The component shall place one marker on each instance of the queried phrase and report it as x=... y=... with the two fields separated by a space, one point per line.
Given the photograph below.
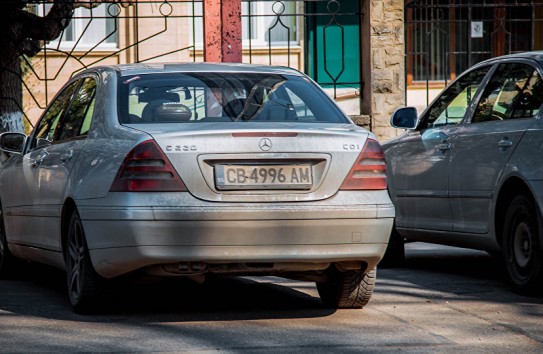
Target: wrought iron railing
x=312 y=28
x=445 y=37
x=319 y=37
x=111 y=33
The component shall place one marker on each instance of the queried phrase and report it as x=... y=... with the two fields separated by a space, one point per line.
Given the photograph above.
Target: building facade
x=371 y=56
x=354 y=49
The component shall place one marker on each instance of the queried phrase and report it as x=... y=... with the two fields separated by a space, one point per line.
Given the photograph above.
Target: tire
x=85 y=286
x=521 y=245
x=7 y=260
x=348 y=289
x=395 y=252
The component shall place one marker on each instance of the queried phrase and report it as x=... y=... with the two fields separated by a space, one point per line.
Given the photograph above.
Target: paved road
x=444 y=300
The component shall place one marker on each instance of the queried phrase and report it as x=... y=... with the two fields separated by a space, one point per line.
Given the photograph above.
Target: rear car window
x=228 y=97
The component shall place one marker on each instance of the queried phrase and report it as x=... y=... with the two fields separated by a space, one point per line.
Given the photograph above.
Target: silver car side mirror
x=11 y=142
x=404 y=118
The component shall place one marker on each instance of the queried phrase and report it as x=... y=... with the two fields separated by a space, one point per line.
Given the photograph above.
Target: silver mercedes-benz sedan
x=192 y=170
x=468 y=172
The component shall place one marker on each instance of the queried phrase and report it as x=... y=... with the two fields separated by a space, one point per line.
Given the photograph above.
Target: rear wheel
x=395 y=252
x=348 y=289
x=84 y=284
x=521 y=247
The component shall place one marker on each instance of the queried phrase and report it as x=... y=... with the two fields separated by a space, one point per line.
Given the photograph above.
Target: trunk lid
x=260 y=162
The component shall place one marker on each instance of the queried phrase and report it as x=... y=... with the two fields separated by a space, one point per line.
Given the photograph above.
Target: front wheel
x=348 y=289
x=521 y=245
x=84 y=284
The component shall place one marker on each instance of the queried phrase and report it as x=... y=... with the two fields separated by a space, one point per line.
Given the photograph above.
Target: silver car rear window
x=229 y=97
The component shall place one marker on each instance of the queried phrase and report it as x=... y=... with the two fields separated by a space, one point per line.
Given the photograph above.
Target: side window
x=453 y=103
x=530 y=101
x=78 y=118
x=46 y=128
x=88 y=119
x=514 y=91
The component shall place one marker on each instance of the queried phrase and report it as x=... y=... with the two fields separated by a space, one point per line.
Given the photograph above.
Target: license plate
x=235 y=177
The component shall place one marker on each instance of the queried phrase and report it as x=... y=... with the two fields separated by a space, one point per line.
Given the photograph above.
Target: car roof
x=535 y=55
x=155 y=68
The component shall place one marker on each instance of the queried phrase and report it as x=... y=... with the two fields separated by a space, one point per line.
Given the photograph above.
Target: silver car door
x=58 y=160
x=483 y=147
x=24 y=214
x=54 y=147
x=17 y=200
x=420 y=168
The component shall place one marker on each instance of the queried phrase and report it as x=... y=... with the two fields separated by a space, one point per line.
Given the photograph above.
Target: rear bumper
x=122 y=240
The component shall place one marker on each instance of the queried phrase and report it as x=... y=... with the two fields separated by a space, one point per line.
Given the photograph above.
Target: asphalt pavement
x=444 y=300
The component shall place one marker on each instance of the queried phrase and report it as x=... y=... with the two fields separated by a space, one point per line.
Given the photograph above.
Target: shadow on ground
x=435 y=271
x=41 y=291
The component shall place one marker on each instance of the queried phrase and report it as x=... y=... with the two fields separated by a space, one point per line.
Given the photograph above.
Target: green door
x=333 y=43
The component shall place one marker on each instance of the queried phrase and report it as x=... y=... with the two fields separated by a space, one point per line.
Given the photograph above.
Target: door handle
x=444 y=146
x=67 y=156
x=505 y=143
x=33 y=162
x=37 y=161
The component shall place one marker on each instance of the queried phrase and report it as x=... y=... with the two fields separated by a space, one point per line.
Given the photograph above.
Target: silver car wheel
x=76 y=254
x=85 y=286
x=347 y=289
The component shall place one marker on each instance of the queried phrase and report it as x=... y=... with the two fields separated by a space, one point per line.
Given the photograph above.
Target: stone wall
x=384 y=65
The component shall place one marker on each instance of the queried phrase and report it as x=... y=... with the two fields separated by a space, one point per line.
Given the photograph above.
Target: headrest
x=172 y=112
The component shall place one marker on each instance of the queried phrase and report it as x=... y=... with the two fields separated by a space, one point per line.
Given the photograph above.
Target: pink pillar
x=222 y=31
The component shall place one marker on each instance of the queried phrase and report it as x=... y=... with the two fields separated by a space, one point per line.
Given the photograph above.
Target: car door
x=53 y=150
x=23 y=213
x=482 y=148
x=420 y=164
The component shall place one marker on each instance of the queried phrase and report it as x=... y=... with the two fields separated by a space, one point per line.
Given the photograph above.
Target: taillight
x=369 y=170
x=147 y=169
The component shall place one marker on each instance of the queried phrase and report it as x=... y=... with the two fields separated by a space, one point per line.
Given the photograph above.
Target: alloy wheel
x=76 y=255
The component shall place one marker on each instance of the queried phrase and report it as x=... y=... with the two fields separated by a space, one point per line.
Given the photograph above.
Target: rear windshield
x=228 y=97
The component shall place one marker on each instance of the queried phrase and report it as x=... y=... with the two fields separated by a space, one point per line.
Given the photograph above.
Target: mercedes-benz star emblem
x=265 y=144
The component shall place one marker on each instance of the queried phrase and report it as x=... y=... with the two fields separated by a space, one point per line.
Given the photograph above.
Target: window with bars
x=263 y=23
x=442 y=39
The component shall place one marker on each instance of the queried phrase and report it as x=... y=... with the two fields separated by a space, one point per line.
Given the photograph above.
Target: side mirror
x=405 y=118
x=12 y=142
